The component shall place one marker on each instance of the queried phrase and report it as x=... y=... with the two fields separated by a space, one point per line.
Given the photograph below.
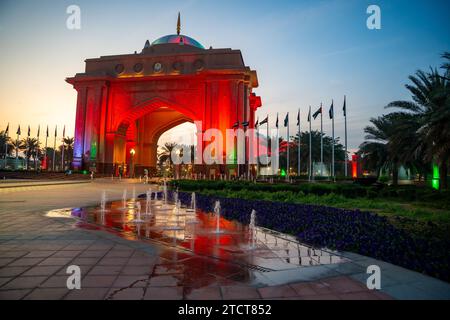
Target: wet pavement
x=170 y=254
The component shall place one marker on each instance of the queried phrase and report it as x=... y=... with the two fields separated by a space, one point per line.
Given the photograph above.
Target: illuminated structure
x=127 y=101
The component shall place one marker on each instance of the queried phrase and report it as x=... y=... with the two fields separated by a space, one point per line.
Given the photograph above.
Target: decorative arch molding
x=148 y=106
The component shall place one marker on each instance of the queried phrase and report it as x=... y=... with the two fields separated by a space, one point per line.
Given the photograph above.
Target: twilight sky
x=305 y=52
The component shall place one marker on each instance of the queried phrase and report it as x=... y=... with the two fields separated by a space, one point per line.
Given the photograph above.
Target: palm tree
x=431 y=109
x=17 y=145
x=68 y=150
x=380 y=151
x=31 y=148
x=339 y=151
x=5 y=142
x=164 y=155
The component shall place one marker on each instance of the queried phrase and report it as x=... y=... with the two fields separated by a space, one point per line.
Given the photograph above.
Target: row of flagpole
x=18 y=133
x=314 y=115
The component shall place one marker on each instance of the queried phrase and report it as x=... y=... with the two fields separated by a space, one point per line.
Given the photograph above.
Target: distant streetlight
x=132 y=153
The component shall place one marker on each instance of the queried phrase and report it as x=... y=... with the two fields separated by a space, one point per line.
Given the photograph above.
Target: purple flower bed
x=348 y=230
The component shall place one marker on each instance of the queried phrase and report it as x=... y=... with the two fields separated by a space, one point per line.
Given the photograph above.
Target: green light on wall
x=435 y=179
x=283 y=173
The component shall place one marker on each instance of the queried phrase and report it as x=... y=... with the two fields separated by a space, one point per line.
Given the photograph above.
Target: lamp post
x=132 y=153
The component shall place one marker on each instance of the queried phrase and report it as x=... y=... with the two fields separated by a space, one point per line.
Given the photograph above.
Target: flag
x=236 y=124
x=29 y=131
x=56 y=131
x=309 y=114
x=64 y=131
x=331 y=112
x=286 y=120
x=18 y=130
x=257 y=123
x=245 y=123
x=276 y=123
x=344 y=108
x=298 y=118
x=7 y=130
x=39 y=130
x=319 y=111
x=264 y=121
x=47 y=132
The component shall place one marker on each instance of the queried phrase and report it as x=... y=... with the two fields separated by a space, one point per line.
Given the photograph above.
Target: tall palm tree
x=5 y=142
x=68 y=149
x=17 y=145
x=431 y=109
x=164 y=155
x=31 y=148
x=379 y=151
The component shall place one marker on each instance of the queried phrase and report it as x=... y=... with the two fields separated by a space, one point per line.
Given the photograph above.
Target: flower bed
x=347 y=230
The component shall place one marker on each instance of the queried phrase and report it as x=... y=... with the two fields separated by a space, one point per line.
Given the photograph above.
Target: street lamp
x=132 y=153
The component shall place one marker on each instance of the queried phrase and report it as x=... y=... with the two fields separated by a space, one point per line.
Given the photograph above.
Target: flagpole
x=345 y=124
x=26 y=149
x=45 y=154
x=36 y=155
x=287 y=160
x=332 y=145
x=321 y=140
x=62 y=152
x=6 y=145
x=277 y=140
x=17 y=148
x=54 y=150
x=299 y=144
x=310 y=149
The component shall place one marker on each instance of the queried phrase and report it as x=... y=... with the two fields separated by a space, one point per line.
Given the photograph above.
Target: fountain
x=148 y=202
x=137 y=218
x=217 y=213
x=103 y=202
x=124 y=199
x=252 y=229
x=193 y=207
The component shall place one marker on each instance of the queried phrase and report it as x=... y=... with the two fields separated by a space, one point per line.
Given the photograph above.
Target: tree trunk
x=395 y=175
x=443 y=185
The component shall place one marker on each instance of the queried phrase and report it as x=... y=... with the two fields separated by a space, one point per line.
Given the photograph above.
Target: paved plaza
x=37 y=245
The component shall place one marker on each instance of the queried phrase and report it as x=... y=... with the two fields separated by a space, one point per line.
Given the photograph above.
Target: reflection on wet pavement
x=193 y=254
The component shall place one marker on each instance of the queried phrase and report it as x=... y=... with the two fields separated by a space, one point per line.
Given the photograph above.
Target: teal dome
x=178 y=39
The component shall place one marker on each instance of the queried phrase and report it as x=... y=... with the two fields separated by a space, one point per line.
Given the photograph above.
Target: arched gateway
x=127 y=101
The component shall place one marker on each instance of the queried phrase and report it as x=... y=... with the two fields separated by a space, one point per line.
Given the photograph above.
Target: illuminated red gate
x=127 y=101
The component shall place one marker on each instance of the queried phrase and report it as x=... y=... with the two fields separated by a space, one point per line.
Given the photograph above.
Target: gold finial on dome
x=178 y=24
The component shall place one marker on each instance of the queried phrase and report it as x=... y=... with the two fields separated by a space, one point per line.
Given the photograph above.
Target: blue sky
x=305 y=52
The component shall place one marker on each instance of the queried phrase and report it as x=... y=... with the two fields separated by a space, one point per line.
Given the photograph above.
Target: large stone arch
x=120 y=95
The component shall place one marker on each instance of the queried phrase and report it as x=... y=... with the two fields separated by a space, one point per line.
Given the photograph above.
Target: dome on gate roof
x=178 y=39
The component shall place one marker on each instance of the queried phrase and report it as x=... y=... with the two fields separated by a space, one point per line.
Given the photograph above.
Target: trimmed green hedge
x=403 y=193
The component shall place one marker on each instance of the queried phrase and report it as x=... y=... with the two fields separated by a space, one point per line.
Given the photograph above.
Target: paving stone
x=127 y=281
x=105 y=270
x=205 y=293
x=163 y=293
x=25 y=262
x=97 y=281
x=113 y=261
x=42 y=271
x=87 y=294
x=55 y=261
x=47 y=294
x=163 y=281
x=125 y=294
x=24 y=283
x=284 y=291
x=239 y=293
x=12 y=271
x=13 y=294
